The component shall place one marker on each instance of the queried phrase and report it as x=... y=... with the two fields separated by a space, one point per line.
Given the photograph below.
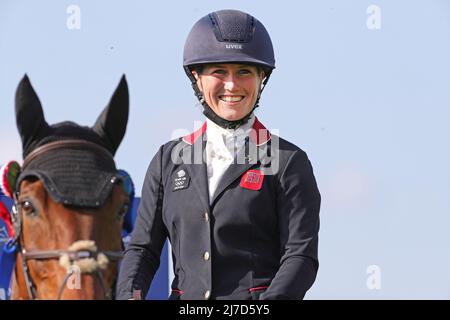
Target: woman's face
x=230 y=89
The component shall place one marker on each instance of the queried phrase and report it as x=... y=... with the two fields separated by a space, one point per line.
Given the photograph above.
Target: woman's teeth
x=231 y=98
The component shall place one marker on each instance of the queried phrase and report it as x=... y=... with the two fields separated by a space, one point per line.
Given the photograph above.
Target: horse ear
x=29 y=115
x=112 y=122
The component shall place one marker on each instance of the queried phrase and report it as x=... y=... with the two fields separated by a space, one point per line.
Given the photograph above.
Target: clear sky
x=363 y=90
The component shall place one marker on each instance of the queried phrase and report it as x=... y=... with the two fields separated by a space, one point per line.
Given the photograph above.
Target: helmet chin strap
x=221 y=122
x=224 y=123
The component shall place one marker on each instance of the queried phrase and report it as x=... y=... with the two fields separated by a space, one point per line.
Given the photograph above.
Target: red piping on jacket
x=258 y=288
x=180 y=292
x=191 y=138
x=259 y=135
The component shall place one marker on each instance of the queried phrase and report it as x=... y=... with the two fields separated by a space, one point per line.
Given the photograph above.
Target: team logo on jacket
x=252 y=180
x=181 y=180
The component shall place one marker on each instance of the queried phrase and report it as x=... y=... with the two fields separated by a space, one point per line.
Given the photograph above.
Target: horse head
x=70 y=201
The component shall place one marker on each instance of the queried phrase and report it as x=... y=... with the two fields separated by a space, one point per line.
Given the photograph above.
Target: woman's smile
x=230 y=90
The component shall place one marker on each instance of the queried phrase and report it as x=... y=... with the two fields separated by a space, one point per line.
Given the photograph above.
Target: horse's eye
x=28 y=208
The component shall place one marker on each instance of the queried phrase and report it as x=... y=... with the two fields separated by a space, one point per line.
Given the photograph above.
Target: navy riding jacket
x=256 y=239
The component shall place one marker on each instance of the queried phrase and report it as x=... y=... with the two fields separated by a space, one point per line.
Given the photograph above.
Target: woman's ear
x=197 y=77
x=195 y=74
x=262 y=74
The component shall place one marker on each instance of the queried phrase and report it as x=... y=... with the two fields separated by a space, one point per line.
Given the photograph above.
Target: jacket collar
x=259 y=135
x=195 y=145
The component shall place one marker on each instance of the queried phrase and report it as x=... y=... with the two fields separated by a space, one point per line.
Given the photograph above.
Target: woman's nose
x=230 y=83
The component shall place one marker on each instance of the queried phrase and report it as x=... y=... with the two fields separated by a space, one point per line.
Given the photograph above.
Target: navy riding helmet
x=228 y=36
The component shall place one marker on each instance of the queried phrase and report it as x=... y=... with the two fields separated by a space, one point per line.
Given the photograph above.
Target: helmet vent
x=232 y=26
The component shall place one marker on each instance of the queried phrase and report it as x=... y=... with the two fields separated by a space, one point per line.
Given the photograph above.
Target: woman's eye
x=219 y=71
x=244 y=71
x=28 y=208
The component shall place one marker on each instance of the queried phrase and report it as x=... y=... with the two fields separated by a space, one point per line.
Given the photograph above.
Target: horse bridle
x=40 y=255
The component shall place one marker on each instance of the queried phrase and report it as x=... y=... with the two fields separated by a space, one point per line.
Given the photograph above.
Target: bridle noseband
x=73 y=256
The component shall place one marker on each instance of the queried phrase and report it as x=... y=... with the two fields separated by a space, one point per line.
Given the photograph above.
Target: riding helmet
x=227 y=36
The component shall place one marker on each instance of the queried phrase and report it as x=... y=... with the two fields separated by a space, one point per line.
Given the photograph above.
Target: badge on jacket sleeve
x=181 y=180
x=252 y=180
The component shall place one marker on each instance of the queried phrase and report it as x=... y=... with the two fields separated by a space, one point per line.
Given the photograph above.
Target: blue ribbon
x=7 y=261
x=128 y=186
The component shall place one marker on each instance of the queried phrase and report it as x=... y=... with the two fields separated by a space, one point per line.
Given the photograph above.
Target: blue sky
x=369 y=106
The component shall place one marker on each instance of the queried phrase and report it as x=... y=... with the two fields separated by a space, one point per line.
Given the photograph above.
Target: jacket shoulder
x=287 y=148
x=172 y=143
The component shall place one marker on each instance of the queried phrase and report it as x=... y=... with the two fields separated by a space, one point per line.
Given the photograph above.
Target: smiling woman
x=239 y=205
x=230 y=90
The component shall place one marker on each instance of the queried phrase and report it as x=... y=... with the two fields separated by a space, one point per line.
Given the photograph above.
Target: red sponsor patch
x=252 y=179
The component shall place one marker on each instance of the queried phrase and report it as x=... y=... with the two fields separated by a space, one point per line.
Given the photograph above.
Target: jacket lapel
x=192 y=157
